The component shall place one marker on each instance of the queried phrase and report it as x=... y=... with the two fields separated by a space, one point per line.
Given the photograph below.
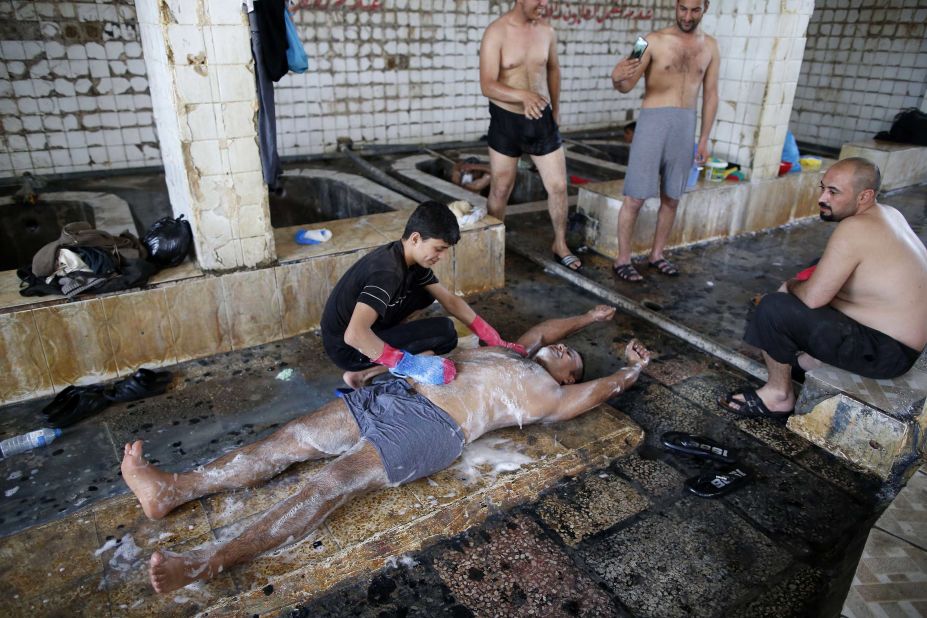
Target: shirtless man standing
x=678 y=61
x=386 y=434
x=864 y=306
x=520 y=74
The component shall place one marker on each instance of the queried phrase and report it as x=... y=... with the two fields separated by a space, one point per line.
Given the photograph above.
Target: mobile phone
x=639 y=47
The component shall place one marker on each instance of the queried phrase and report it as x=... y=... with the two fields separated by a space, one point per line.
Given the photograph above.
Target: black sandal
x=665 y=267
x=697 y=446
x=751 y=407
x=716 y=483
x=143 y=383
x=627 y=272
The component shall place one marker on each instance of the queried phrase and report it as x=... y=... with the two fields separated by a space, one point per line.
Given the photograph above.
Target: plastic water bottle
x=28 y=441
x=693 y=173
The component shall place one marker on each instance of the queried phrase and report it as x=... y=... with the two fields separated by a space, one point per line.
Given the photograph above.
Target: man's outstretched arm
x=552 y=331
x=574 y=399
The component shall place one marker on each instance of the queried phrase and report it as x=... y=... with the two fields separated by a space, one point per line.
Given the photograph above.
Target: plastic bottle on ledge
x=28 y=441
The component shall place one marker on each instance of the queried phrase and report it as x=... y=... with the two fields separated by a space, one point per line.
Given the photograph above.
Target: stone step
x=878 y=425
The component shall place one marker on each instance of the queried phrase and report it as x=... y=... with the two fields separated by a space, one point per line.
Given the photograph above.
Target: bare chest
x=688 y=60
x=525 y=48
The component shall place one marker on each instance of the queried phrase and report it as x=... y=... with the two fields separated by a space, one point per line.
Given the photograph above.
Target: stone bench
x=49 y=342
x=902 y=165
x=711 y=210
x=878 y=425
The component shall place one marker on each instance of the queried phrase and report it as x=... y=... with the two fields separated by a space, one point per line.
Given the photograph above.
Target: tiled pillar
x=200 y=71
x=761 y=44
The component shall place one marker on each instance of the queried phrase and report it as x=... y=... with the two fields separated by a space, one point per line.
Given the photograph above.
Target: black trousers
x=783 y=326
x=435 y=334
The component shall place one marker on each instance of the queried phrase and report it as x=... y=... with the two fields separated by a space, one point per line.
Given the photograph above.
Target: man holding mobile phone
x=676 y=62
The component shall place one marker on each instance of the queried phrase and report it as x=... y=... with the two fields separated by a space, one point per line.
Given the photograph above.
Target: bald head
x=866 y=174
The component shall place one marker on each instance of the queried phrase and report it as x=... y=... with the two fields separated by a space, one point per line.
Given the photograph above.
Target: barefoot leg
x=330 y=430
x=358 y=379
x=353 y=473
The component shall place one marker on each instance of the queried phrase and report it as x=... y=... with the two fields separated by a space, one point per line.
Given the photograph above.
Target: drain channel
x=647 y=313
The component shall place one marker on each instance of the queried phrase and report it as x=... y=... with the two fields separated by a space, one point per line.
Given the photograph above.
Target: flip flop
x=751 y=407
x=627 y=272
x=567 y=261
x=83 y=402
x=716 y=483
x=697 y=446
x=143 y=383
x=665 y=267
x=63 y=402
x=342 y=391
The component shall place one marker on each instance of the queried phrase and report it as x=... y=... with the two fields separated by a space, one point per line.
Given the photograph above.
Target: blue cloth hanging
x=296 y=56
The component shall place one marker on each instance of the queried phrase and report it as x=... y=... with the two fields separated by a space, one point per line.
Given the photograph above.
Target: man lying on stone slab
x=385 y=434
x=862 y=308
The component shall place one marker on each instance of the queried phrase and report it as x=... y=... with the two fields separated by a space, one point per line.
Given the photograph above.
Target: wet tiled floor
x=719 y=279
x=891 y=579
x=580 y=532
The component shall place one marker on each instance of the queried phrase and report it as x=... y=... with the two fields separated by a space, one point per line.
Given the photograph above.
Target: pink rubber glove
x=490 y=336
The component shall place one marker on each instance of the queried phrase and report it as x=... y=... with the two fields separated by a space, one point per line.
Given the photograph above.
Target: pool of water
x=311 y=199
x=24 y=229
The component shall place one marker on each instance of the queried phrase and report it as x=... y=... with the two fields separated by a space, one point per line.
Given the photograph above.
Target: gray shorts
x=663 y=145
x=414 y=437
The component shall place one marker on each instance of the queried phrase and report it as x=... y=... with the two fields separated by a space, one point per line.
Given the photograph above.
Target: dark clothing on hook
x=269 y=18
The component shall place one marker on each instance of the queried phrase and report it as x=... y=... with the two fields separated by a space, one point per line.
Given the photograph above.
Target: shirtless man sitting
x=520 y=75
x=386 y=434
x=678 y=61
x=863 y=308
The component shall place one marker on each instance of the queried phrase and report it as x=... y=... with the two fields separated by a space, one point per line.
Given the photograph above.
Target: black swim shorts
x=783 y=326
x=414 y=437
x=512 y=134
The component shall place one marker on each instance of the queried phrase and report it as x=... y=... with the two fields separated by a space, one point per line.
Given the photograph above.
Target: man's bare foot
x=169 y=571
x=358 y=379
x=154 y=488
x=637 y=354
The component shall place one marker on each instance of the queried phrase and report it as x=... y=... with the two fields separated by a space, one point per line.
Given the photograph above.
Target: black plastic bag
x=168 y=241
x=909 y=127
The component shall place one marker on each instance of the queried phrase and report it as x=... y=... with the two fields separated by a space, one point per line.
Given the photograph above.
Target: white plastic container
x=714 y=170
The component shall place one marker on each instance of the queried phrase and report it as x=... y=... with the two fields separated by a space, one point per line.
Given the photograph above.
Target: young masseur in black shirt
x=363 y=325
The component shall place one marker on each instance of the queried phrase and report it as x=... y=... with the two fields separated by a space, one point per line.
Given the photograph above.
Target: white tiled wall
x=74 y=91
x=409 y=72
x=202 y=84
x=74 y=94
x=73 y=88
x=761 y=43
x=865 y=61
